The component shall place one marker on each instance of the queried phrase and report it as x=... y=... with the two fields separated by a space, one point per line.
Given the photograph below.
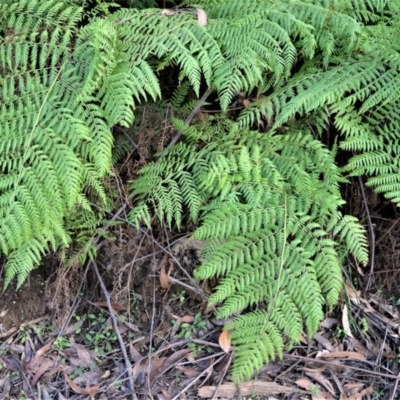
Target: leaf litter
x=175 y=354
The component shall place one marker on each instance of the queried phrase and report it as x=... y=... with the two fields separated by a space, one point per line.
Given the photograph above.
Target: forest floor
x=60 y=339
x=134 y=325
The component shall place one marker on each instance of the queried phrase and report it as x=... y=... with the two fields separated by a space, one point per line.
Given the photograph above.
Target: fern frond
x=269 y=205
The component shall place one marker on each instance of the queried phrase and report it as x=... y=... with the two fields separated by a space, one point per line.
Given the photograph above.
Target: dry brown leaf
x=72 y=328
x=39 y=355
x=8 y=333
x=89 y=391
x=353 y=385
x=139 y=370
x=360 y=396
x=44 y=367
x=187 y=318
x=303 y=339
x=246 y=102
x=89 y=376
x=225 y=341
x=167 y=395
x=361 y=348
x=189 y=372
x=5 y=384
x=174 y=357
x=304 y=383
x=345 y=321
x=201 y=16
x=157 y=366
x=106 y=374
x=344 y=354
x=116 y=306
x=132 y=327
x=317 y=376
x=135 y=355
x=84 y=356
x=324 y=341
x=164 y=279
x=351 y=291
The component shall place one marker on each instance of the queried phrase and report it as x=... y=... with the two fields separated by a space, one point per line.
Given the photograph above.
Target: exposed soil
x=25 y=304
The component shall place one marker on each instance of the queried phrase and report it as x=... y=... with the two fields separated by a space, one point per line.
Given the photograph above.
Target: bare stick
x=191 y=115
x=128 y=364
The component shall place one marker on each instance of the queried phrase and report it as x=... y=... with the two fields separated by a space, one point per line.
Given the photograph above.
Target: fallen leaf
x=360 y=396
x=317 y=376
x=44 y=366
x=360 y=348
x=84 y=356
x=225 y=341
x=166 y=394
x=106 y=374
x=187 y=318
x=133 y=352
x=189 y=372
x=246 y=102
x=173 y=358
x=345 y=321
x=89 y=390
x=131 y=326
x=164 y=279
x=304 y=383
x=201 y=16
x=344 y=354
x=322 y=396
x=324 y=341
x=351 y=291
x=71 y=329
x=115 y=306
x=353 y=385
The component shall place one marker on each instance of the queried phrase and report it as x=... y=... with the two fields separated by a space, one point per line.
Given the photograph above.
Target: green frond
x=266 y=205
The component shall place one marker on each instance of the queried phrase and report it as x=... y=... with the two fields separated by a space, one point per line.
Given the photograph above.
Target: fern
x=264 y=215
x=62 y=89
x=267 y=204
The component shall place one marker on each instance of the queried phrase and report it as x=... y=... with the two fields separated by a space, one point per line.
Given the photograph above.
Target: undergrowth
x=259 y=181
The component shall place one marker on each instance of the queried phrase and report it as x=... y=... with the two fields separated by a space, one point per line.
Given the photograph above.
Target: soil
x=25 y=304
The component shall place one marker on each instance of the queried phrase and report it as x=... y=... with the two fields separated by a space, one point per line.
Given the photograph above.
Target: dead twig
x=128 y=365
x=207 y=370
x=191 y=115
x=222 y=377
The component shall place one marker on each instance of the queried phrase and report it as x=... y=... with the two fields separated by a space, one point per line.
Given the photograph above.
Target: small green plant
x=364 y=325
x=180 y=296
x=100 y=336
x=188 y=330
x=314 y=390
x=61 y=343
